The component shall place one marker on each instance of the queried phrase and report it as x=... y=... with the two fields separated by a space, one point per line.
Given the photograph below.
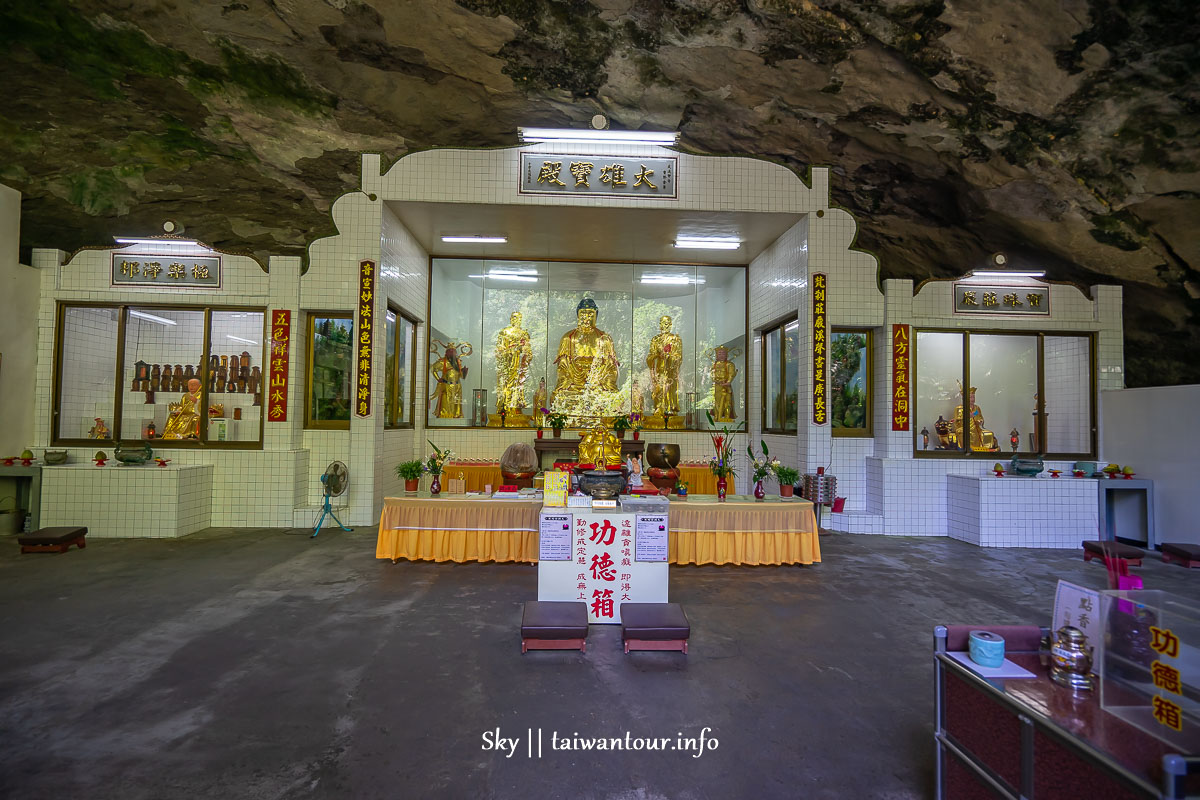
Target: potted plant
x=556 y=421
x=762 y=467
x=434 y=464
x=787 y=477
x=721 y=463
x=621 y=424
x=681 y=487
x=410 y=471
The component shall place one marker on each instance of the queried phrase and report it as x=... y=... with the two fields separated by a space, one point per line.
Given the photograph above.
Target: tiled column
x=49 y=261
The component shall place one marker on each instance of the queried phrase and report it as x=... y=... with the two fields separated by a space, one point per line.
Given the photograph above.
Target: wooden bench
x=554 y=626
x=1180 y=553
x=1113 y=551
x=52 y=540
x=654 y=626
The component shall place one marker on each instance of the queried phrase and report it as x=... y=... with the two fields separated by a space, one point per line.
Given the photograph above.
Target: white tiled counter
x=1021 y=512
x=124 y=502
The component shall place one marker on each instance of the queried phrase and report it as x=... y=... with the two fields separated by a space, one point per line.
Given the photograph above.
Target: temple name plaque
x=598 y=176
x=996 y=298
x=166 y=271
x=554 y=540
x=650 y=538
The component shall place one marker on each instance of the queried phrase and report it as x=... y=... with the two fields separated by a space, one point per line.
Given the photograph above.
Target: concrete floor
x=265 y=664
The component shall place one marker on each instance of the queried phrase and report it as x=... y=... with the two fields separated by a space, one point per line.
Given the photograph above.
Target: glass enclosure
x=236 y=414
x=849 y=376
x=330 y=371
x=588 y=340
x=401 y=335
x=87 y=371
x=1024 y=393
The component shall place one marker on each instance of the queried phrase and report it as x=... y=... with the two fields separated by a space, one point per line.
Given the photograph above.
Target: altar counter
x=1016 y=511
x=129 y=501
x=701 y=530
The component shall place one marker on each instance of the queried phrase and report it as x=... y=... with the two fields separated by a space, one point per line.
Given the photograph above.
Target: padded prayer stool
x=1116 y=551
x=554 y=626
x=52 y=540
x=1186 y=554
x=654 y=626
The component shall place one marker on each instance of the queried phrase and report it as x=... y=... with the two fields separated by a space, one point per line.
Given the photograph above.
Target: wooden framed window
x=850 y=370
x=328 y=398
x=399 y=378
x=780 y=376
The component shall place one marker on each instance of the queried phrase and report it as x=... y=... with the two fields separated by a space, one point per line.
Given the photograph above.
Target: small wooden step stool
x=52 y=540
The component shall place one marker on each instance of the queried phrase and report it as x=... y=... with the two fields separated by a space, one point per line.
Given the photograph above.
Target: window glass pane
x=390 y=407
x=1068 y=394
x=87 y=367
x=1004 y=385
x=235 y=415
x=514 y=339
x=455 y=343
x=936 y=391
x=405 y=360
x=848 y=379
x=169 y=344
x=720 y=346
x=791 y=362
x=772 y=370
x=329 y=398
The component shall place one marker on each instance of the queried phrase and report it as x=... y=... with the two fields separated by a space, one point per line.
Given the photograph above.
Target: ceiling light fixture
x=574 y=136
x=155 y=242
x=240 y=339
x=707 y=243
x=475 y=239
x=671 y=280
x=1004 y=273
x=152 y=318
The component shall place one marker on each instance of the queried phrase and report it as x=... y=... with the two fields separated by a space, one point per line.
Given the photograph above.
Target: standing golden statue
x=587 y=367
x=539 y=402
x=184 y=419
x=513 y=356
x=980 y=437
x=448 y=373
x=664 y=358
x=723 y=372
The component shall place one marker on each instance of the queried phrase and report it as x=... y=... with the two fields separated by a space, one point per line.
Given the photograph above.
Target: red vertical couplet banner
x=901 y=358
x=366 y=334
x=277 y=374
x=820 y=349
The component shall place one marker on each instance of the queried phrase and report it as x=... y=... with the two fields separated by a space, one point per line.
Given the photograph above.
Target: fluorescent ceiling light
x=240 y=339
x=155 y=242
x=501 y=276
x=152 y=318
x=599 y=137
x=476 y=239
x=712 y=243
x=676 y=280
x=1004 y=273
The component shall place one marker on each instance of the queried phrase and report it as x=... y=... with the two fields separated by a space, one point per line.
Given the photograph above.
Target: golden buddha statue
x=723 y=372
x=600 y=445
x=184 y=419
x=664 y=358
x=587 y=366
x=513 y=356
x=448 y=373
x=981 y=438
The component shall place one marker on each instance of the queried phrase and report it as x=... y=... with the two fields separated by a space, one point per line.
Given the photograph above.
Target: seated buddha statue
x=980 y=437
x=587 y=366
x=600 y=445
x=184 y=419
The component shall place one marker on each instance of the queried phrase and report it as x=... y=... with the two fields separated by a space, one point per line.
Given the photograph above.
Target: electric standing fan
x=335 y=482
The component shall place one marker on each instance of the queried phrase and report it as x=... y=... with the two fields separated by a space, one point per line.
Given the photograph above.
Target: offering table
x=702 y=531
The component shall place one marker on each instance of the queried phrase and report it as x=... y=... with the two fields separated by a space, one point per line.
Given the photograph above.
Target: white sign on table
x=554 y=537
x=1079 y=607
x=650 y=538
x=602 y=571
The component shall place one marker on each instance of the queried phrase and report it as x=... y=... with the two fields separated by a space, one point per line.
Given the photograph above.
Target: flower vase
x=721 y=486
x=557 y=433
x=759 y=492
x=637 y=435
x=539 y=433
x=435 y=486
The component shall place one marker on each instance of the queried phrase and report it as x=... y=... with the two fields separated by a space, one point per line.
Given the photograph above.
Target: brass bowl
x=661 y=455
x=133 y=452
x=55 y=457
x=602 y=485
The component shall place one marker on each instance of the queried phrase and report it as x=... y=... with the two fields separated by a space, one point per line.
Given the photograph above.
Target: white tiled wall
x=142 y=501
x=1022 y=512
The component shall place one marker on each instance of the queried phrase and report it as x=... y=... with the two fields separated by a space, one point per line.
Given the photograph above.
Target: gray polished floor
x=265 y=664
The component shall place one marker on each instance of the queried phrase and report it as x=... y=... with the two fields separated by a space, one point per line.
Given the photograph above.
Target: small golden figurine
x=99 y=430
x=448 y=373
x=599 y=445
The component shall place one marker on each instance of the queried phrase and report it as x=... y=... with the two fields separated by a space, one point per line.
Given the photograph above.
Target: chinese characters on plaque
x=820 y=398
x=602 y=571
x=650 y=541
x=983 y=298
x=609 y=176
x=1165 y=674
x=554 y=542
x=166 y=271
x=277 y=373
x=900 y=388
x=366 y=332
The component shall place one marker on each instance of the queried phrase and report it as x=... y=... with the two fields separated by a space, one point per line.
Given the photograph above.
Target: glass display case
x=589 y=340
x=87 y=373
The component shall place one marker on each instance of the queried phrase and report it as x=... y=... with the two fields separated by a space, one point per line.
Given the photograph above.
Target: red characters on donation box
x=366 y=334
x=820 y=399
x=900 y=373
x=599 y=580
x=277 y=375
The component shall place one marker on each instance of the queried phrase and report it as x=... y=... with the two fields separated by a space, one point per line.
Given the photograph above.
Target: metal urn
x=1071 y=659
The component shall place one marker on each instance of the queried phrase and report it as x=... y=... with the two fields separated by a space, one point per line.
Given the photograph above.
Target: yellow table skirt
x=700 y=480
x=475 y=475
x=702 y=531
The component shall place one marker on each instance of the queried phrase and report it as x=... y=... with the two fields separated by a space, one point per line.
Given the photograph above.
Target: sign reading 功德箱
x=602 y=571
x=900 y=372
x=277 y=372
x=598 y=176
x=366 y=333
